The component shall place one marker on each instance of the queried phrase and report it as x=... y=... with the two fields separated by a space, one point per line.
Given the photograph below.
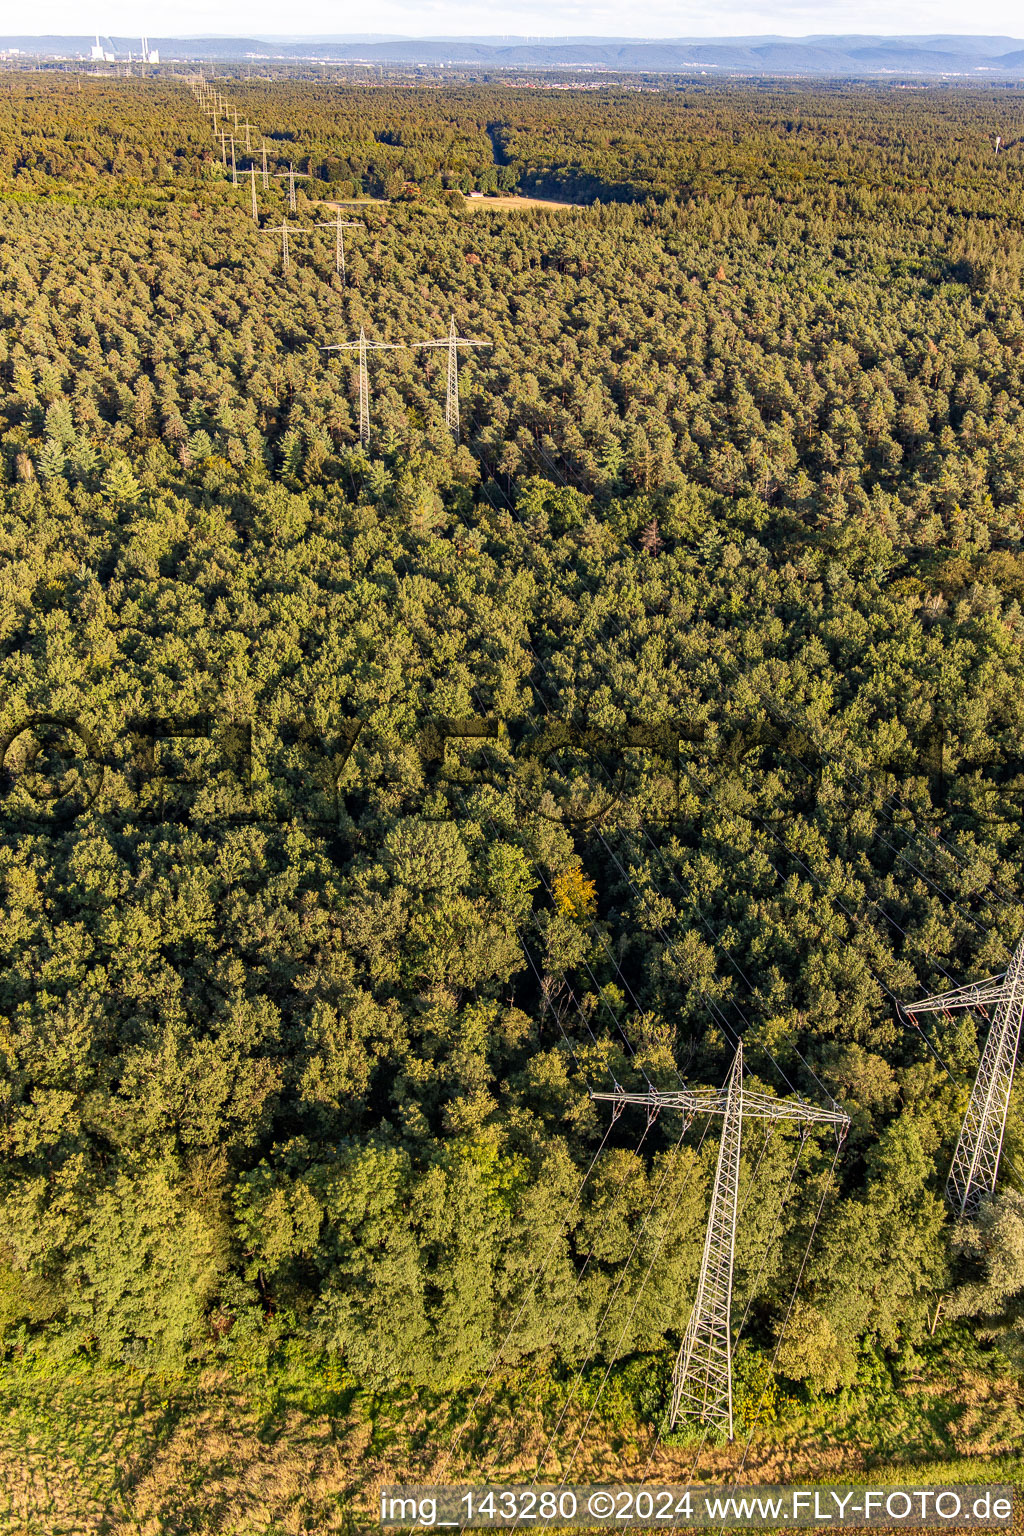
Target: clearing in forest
x=515 y=201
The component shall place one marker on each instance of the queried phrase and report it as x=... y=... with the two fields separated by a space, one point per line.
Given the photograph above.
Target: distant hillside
x=937 y=56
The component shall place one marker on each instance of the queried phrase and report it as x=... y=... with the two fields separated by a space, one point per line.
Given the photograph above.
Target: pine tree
x=50 y=460
x=119 y=484
x=650 y=539
x=83 y=461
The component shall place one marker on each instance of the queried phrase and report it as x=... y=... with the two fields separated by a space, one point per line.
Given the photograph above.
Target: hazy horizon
x=651 y=19
x=409 y=34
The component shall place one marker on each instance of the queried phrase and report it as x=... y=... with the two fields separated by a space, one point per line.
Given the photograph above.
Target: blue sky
x=640 y=18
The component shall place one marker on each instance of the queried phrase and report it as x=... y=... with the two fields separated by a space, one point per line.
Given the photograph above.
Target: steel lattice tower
x=451 y=401
x=362 y=346
x=702 y=1379
x=291 y=176
x=364 y=392
x=452 y=342
x=339 y=225
x=284 y=231
x=980 y=1143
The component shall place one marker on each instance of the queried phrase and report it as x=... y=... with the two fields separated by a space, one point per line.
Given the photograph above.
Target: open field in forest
x=519 y=202
x=513 y=204
x=297 y=1446
x=352 y=202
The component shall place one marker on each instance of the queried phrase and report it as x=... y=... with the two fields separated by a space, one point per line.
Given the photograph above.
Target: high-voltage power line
x=980 y=1143
x=702 y=1379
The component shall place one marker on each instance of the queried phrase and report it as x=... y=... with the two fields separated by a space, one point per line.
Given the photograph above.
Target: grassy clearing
x=291 y=1444
x=351 y=202
x=507 y=204
x=518 y=202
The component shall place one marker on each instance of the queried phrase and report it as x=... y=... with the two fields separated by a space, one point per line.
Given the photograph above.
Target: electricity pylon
x=339 y=244
x=980 y=1143
x=362 y=346
x=286 y=230
x=225 y=140
x=453 y=341
x=255 y=206
x=265 y=177
x=283 y=230
x=702 y=1378
x=291 y=176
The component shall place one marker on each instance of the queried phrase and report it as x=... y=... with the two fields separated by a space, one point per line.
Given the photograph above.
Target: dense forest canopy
x=300 y=1003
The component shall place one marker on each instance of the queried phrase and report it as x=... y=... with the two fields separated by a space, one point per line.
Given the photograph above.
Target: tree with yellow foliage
x=575 y=894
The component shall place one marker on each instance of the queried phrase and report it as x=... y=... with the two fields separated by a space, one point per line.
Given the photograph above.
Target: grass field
x=507 y=204
x=517 y=202
x=291 y=1444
